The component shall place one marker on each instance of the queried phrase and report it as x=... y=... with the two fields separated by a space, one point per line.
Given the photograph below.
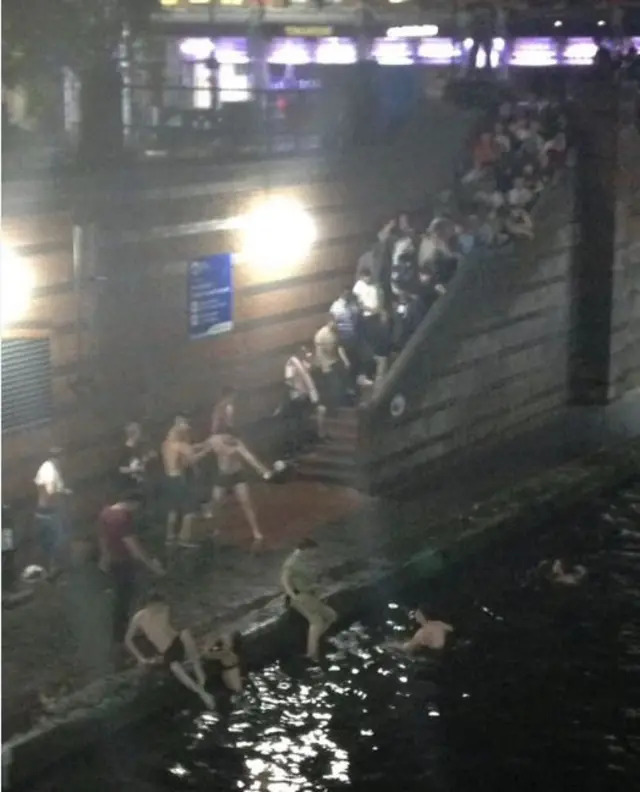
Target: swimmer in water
x=175 y=650
x=566 y=577
x=232 y=455
x=430 y=635
x=223 y=651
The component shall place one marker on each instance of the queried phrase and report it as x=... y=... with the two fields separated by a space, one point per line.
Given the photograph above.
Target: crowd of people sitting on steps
x=519 y=148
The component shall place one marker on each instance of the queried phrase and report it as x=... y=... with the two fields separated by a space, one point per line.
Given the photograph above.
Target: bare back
x=176 y=454
x=432 y=635
x=155 y=625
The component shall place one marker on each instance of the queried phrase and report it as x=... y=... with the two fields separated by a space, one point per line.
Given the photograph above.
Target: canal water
x=539 y=690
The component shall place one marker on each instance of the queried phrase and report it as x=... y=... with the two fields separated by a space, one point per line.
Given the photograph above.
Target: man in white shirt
x=302 y=398
x=50 y=514
x=374 y=323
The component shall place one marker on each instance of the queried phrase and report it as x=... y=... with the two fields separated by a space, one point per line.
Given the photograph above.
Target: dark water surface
x=539 y=691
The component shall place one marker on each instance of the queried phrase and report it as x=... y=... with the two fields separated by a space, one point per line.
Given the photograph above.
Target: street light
x=17 y=286
x=278 y=234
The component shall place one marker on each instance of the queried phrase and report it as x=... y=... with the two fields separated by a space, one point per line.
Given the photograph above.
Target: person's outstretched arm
x=251 y=459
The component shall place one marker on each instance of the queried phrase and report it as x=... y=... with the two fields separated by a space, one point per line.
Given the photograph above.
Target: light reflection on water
x=535 y=679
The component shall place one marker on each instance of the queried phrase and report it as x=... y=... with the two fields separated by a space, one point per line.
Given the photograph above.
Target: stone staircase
x=335 y=460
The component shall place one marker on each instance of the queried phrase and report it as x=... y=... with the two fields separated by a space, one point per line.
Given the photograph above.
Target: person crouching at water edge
x=175 y=650
x=431 y=634
x=232 y=455
x=226 y=654
x=299 y=585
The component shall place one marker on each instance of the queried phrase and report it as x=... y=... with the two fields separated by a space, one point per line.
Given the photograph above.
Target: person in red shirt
x=120 y=554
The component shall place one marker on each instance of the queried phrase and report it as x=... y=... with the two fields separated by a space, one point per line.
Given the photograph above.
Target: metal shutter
x=27 y=396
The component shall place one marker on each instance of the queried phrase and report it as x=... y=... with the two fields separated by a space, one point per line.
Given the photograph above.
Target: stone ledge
x=115 y=701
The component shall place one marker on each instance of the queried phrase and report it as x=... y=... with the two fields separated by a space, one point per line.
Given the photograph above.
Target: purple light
x=289 y=52
x=580 y=51
x=336 y=50
x=534 y=52
x=438 y=50
x=196 y=48
x=392 y=53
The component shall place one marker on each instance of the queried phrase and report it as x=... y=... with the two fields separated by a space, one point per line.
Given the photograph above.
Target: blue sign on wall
x=210 y=285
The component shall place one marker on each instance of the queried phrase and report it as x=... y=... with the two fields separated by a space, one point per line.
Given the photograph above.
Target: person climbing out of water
x=300 y=588
x=565 y=577
x=224 y=651
x=175 y=650
x=431 y=634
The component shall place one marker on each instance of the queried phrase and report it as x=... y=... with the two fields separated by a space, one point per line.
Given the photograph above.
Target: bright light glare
x=17 y=286
x=278 y=234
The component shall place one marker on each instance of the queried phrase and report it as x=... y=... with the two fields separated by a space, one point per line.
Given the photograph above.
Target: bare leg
x=244 y=499
x=321 y=414
x=172 y=519
x=193 y=655
x=232 y=679
x=315 y=633
x=179 y=672
x=186 y=529
x=217 y=496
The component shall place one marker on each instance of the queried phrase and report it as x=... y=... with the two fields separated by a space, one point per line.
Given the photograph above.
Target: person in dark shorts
x=232 y=456
x=176 y=651
x=180 y=457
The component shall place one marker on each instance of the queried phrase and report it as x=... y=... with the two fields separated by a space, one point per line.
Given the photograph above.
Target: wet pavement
x=58 y=642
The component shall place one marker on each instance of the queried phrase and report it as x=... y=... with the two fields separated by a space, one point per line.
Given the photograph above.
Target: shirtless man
x=232 y=455
x=223 y=652
x=564 y=577
x=175 y=650
x=430 y=635
x=179 y=457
